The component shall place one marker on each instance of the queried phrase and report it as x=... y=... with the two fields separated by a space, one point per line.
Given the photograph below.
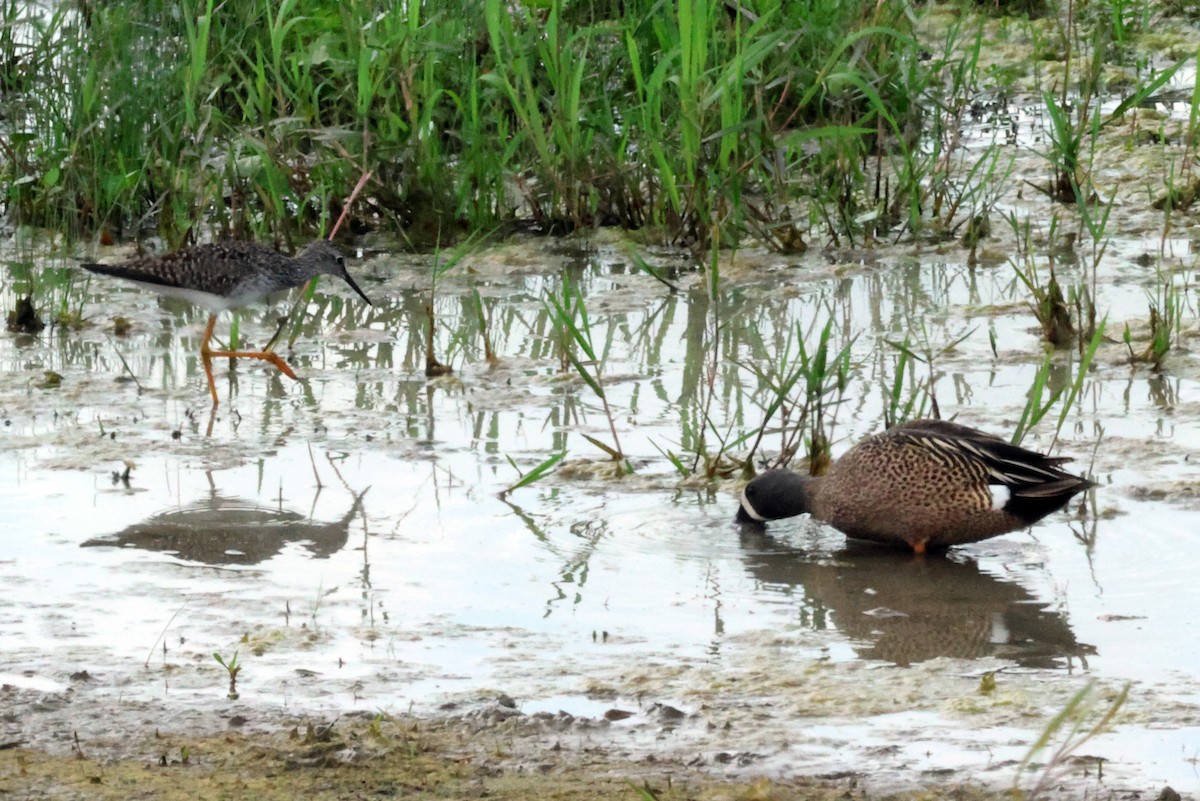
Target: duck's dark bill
x=743 y=518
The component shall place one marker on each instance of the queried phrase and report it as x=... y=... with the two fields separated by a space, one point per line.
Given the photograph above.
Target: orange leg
x=919 y=546
x=207 y=355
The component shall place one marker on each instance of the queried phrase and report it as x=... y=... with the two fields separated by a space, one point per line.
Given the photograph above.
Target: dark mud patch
x=363 y=756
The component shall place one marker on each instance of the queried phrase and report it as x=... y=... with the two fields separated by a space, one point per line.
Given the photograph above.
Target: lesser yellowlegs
x=229 y=275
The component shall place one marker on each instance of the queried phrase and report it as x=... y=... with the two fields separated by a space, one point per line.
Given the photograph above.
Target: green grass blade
x=536 y=473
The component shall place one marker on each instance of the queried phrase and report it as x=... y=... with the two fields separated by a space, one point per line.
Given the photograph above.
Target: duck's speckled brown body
x=924 y=484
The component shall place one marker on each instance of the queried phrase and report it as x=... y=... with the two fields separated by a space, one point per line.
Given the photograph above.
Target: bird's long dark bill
x=354 y=286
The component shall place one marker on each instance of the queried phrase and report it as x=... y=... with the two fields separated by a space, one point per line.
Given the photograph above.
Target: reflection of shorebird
x=219 y=530
x=907 y=610
x=924 y=484
x=229 y=275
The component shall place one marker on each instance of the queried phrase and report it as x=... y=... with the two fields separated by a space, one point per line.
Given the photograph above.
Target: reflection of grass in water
x=1053 y=311
x=434 y=368
x=814 y=373
x=571 y=321
x=1035 y=409
x=572 y=330
x=801 y=374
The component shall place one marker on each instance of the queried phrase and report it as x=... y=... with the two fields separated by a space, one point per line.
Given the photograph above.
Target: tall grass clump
x=668 y=115
x=696 y=120
x=944 y=188
x=248 y=116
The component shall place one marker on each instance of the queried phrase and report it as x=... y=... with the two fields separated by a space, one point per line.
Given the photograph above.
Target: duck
x=924 y=485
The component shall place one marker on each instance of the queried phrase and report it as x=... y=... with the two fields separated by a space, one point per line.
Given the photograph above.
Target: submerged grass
x=1080 y=721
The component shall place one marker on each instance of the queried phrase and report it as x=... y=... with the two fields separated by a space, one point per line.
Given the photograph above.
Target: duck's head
x=772 y=495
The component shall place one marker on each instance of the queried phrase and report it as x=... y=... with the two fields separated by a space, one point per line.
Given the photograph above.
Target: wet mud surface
x=358 y=757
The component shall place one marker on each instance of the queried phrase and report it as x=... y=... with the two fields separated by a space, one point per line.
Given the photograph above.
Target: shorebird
x=229 y=275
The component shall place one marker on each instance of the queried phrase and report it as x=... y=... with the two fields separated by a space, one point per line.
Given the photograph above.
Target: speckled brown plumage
x=925 y=484
x=228 y=275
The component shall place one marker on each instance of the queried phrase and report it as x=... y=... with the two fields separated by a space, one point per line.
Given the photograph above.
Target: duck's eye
x=341 y=262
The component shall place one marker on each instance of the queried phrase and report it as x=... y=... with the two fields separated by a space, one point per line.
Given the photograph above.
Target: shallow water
x=343 y=535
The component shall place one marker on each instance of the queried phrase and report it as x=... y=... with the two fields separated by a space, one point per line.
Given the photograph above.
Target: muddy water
x=344 y=537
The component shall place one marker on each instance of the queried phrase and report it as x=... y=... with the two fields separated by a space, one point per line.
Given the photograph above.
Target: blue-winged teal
x=229 y=275
x=924 y=484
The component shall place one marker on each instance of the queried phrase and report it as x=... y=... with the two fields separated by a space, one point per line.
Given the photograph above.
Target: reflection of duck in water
x=907 y=610
x=232 y=531
x=924 y=484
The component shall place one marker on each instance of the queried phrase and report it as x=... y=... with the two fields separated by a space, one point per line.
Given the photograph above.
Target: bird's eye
x=341 y=262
